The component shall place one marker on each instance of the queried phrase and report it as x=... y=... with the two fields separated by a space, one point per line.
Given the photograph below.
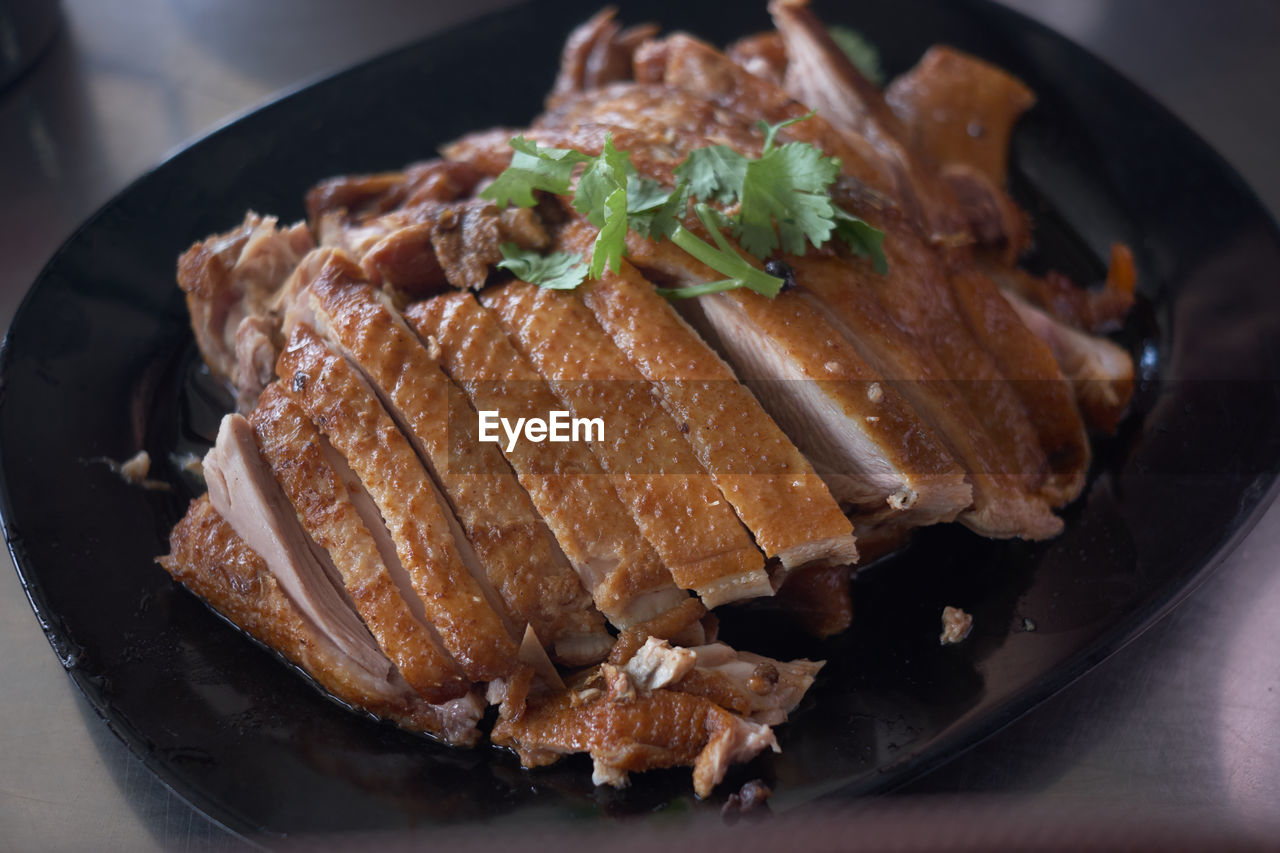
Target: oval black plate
x=97 y=364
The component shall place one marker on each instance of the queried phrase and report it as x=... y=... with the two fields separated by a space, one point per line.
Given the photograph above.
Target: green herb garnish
x=554 y=271
x=781 y=200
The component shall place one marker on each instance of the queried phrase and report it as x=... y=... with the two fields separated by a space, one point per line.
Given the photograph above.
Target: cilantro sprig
x=780 y=200
x=554 y=271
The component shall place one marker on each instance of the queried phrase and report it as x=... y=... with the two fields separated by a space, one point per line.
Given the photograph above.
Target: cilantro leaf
x=862 y=239
x=603 y=176
x=556 y=271
x=611 y=242
x=533 y=167
x=781 y=197
x=786 y=186
x=714 y=173
x=862 y=53
x=653 y=211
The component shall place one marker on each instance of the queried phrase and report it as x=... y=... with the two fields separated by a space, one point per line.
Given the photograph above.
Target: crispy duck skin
x=759 y=471
x=680 y=63
x=1005 y=476
x=419 y=250
x=1027 y=361
x=231 y=282
x=349 y=415
x=676 y=505
x=819 y=75
x=208 y=558
x=564 y=480
x=357 y=198
x=625 y=731
x=759 y=688
x=599 y=51
x=873 y=450
x=823 y=77
x=958 y=112
x=832 y=336
x=535 y=582
x=763 y=55
x=961 y=203
x=919 y=295
x=326 y=506
x=919 y=298
x=938 y=102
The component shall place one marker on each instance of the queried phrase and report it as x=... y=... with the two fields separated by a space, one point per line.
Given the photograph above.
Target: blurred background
x=1179 y=727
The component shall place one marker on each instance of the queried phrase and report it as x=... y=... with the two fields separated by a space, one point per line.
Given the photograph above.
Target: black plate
x=99 y=363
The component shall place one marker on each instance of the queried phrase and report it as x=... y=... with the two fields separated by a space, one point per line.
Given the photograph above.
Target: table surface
x=1184 y=720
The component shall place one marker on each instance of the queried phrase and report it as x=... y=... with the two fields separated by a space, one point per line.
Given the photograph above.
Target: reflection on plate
x=100 y=363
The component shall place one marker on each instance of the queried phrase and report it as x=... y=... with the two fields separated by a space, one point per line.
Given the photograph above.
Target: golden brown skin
x=413 y=252
x=810 y=364
x=564 y=480
x=633 y=733
x=598 y=52
x=820 y=75
x=759 y=471
x=764 y=55
x=209 y=559
x=683 y=64
x=917 y=293
x=955 y=108
x=536 y=584
x=291 y=445
x=347 y=411
x=359 y=197
x=952 y=384
x=676 y=505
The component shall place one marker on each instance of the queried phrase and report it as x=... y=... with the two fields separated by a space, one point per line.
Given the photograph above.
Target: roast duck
x=753 y=444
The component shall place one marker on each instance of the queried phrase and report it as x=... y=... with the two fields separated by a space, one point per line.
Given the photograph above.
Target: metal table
x=1182 y=721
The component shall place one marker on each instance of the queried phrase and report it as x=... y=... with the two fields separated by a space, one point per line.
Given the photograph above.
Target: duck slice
x=762 y=475
x=522 y=562
x=564 y=481
x=444 y=569
x=674 y=501
x=337 y=513
x=210 y=559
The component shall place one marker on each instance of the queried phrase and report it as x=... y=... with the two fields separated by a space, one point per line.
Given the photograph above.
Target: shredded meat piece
x=625 y=732
x=956 y=625
x=231 y=281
